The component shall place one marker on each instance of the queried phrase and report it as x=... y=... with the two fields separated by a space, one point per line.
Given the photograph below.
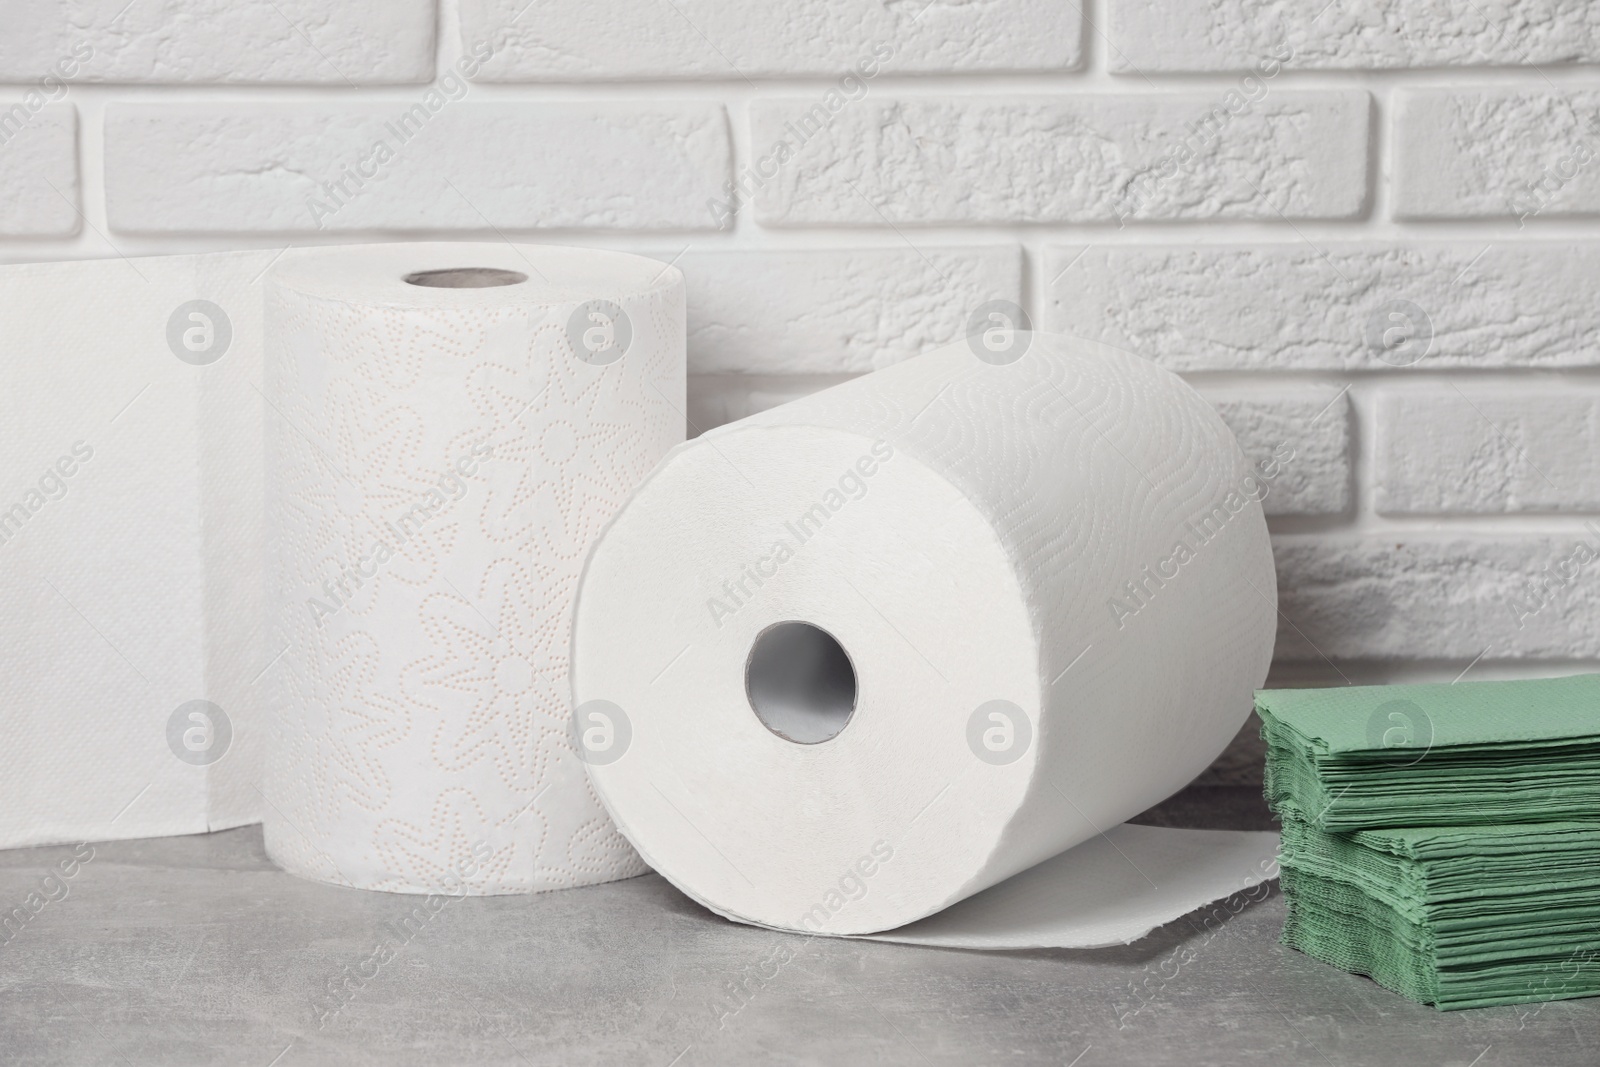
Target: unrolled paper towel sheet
x=1110 y=890
x=856 y=661
x=136 y=674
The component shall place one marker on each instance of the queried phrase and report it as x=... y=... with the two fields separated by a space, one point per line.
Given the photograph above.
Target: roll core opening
x=466 y=278
x=801 y=683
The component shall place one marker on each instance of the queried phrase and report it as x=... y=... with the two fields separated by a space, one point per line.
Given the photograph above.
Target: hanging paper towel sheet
x=130 y=546
x=423 y=711
x=1036 y=595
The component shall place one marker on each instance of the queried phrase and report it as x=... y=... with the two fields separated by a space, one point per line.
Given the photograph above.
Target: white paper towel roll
x=443 y=451
x=843 y=664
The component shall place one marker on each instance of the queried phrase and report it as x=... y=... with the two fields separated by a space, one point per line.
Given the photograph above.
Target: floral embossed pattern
x=435 y=477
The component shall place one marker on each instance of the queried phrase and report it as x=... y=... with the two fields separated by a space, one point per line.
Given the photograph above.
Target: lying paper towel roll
x=451 y=425
x=845 y=663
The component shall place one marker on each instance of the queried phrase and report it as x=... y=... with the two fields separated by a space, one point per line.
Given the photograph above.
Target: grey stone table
x=196 y=950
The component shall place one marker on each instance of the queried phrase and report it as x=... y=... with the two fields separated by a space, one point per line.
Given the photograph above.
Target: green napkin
x=1434 y=755
x=1443 y=839
x=1457 y=917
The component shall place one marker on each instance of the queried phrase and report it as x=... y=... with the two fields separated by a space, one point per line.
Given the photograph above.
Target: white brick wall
x=1370 y=233
x=583 y=40
x=1302 y=306
x=1472 y=450
x=294 y=168
x=1473 y=153
x=39 y=170
x=1180 y=35
x=1086 y=158
x=836 y=311
x=346 y=42
x=1456 y=598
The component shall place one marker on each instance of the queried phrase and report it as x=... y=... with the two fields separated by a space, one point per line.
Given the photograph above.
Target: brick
x=716 y=399
x=1089 y=158
x=1308 y=432
x=1204 y=35
x=1488 y=153
x=1333 y=307
x=1409 y=598
x=465 y=166
x=365 y=42
x=843 y=311
x=610 y=39
x=1468 y=451
x=39 y=168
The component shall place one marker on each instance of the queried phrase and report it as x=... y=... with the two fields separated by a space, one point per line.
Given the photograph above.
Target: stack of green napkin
x=1458 y=917
x=1444 y=840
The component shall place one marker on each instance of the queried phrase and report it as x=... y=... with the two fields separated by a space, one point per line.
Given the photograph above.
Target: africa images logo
x=599 y=332
x=199 y=332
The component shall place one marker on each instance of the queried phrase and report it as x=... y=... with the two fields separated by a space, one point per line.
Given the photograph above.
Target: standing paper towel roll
x=450 y=426
x=841 y=665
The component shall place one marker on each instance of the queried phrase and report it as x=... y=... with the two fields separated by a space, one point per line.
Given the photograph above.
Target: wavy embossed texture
x=439 y=461
x=968 y=532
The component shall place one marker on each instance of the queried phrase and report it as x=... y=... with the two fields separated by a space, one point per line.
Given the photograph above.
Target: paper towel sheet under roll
x=851 y=662
x=1109 y=891
x=132 y=549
